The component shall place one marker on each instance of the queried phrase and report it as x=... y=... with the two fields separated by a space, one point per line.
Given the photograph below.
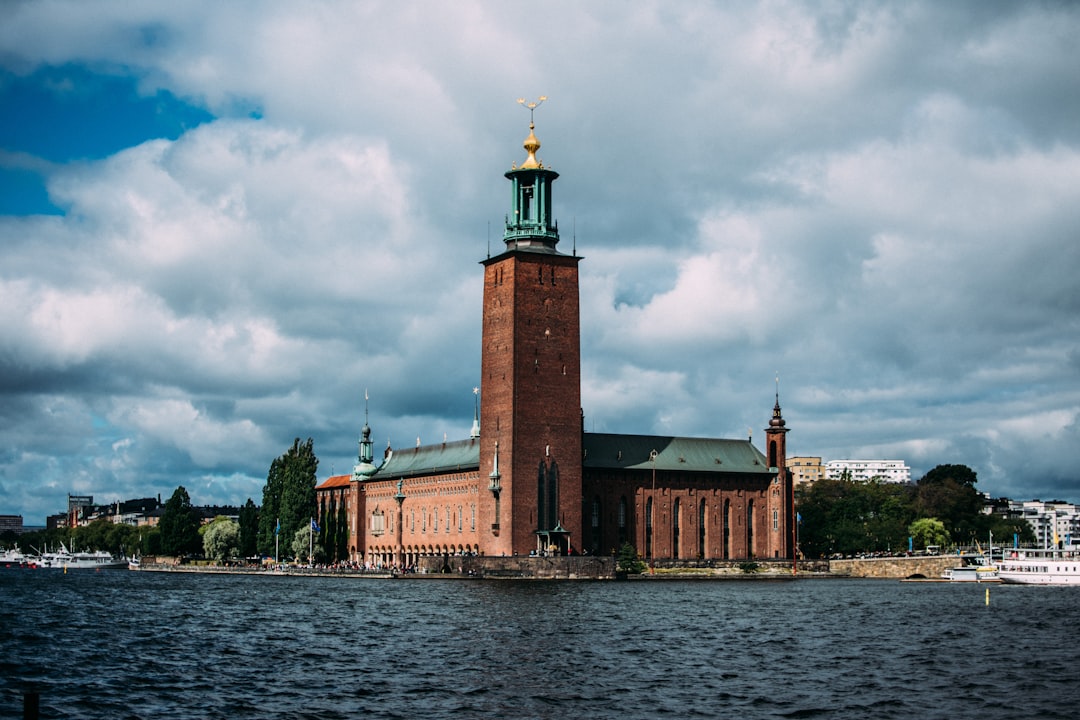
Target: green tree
x=150 y=541
x=328 y=535
x=179 y=525
x=305 y=543
x=342 y=535
x=629 y=561
x=1005 y=530
x=948 y=493
x=847 y=517
x=249 y=529
x=289 y=494
x=925 y=532
x=221 y=539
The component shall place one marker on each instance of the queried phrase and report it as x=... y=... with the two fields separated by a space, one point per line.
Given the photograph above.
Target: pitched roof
x=432 y=459
x=602 y=450
x=334 y=481
x=611 y=451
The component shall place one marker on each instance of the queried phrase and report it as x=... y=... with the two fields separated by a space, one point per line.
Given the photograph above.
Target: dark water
x=151 y=645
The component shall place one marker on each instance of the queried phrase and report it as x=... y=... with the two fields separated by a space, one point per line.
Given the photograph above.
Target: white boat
x=16 y=558
x=68 y=560
x=1049 y=566
x=972 y=573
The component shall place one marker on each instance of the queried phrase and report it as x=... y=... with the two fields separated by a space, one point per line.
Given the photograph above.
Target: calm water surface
x=154 y=645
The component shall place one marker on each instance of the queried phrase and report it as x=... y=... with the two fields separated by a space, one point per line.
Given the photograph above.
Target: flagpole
x=277 y=534
x=310 y=535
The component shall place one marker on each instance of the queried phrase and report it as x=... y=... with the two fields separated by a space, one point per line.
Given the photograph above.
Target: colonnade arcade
x=387 y=556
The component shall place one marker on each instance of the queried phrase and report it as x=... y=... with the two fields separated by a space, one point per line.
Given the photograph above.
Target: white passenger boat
x=1030 y=566
x=68 y=560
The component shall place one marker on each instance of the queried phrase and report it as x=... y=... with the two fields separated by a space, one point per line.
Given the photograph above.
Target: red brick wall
x=689 y=490
x=530 y=393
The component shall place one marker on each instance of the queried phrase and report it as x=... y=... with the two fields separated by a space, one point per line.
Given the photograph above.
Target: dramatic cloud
x=254 y=214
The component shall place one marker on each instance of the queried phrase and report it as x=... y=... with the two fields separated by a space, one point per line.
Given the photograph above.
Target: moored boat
x=1049 y=566
x=68 y=560
x=972 y=573
x=13 y=557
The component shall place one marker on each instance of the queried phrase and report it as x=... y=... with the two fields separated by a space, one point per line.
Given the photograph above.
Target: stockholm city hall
x=529 y=480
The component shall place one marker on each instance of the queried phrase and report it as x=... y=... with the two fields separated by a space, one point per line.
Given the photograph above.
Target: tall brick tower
x=781 y=502
x=530 y=400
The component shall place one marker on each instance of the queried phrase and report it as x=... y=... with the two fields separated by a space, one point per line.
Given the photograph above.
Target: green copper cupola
x=530 y=224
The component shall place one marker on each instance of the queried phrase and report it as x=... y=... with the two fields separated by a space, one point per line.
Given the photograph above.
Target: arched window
x=648 y=527
x=750 y=528
x=701 y=529
x=622 y=521
x=541 y=497
x=595 y=537
x=676 y=508
x=727 y=529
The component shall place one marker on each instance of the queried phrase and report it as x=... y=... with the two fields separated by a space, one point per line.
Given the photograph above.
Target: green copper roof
x=604 y=450
x=448 y=457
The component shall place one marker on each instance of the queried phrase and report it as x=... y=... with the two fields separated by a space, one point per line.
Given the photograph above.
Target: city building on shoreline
x=529 y=479
x=889 y=471
x=1054 y=522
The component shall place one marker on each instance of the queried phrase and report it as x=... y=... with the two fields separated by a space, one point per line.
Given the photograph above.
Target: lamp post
x=400 y=497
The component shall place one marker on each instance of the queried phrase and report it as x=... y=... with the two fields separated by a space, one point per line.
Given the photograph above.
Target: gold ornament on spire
x=531 y=144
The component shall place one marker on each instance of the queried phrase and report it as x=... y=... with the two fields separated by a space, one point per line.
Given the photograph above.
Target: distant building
x=1052 y=522
x=890 y=471
x=11 y=523
x=806 y=470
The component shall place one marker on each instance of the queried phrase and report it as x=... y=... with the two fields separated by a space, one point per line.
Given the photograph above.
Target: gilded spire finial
x=531 y=144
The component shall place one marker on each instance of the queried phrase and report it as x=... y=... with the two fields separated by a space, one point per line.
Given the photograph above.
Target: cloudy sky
x=221 y=223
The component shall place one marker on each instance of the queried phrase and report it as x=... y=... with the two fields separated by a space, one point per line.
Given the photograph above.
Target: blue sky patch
x=70 y=112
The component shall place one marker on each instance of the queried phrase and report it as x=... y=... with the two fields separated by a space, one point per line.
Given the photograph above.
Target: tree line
x=834 y=517
x=942 y=509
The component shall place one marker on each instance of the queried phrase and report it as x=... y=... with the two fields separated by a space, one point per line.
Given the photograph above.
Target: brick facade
x=533 y=481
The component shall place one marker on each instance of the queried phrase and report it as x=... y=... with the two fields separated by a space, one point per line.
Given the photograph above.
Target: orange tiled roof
x=334 y=481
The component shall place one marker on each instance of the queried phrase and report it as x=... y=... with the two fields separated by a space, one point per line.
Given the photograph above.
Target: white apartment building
x=1050 y=521
x=892 y=471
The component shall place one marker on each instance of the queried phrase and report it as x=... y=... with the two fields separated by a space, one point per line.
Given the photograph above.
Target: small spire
x=475 y=433
x=531 y=144
x=777 y=422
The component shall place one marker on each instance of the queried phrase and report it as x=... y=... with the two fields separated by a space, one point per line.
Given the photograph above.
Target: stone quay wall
x=596 y=567
x=928 y=566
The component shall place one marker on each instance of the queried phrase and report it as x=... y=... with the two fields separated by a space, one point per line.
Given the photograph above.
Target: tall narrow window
x=648 y=527
x=750 y=528
x=622 y=521
x=541 y=497
x=701 y=529
x=727 y=529
x=675 y=528
x=553 y=496
x=595 y=538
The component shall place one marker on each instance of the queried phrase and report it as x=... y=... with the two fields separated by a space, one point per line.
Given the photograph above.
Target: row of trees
x=836 y=516
x=943 y=508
